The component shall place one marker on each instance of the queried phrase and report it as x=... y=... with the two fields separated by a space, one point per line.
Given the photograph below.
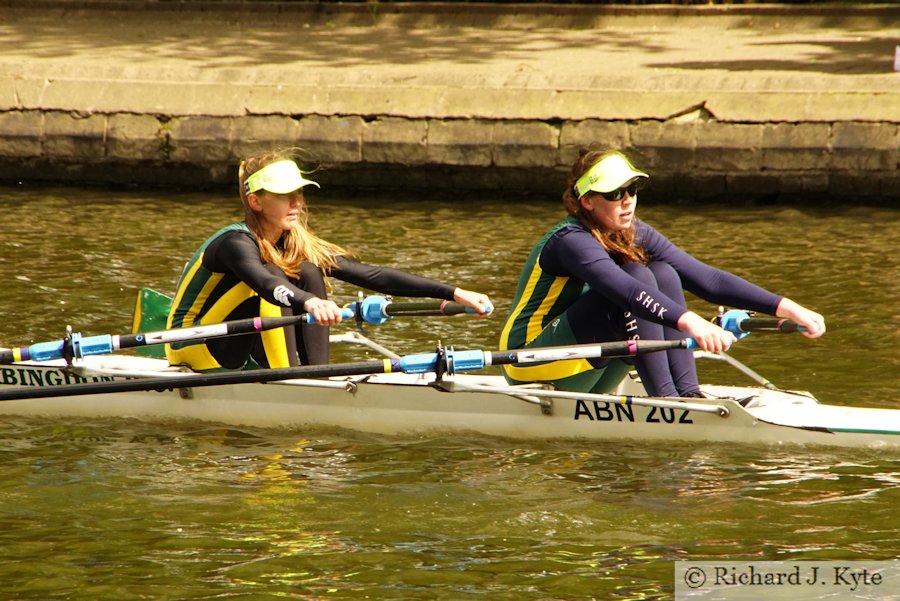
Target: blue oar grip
x=93 y=345
x=464 y=360
x=45 y=351
x=346 y=313
x=371 y=309
x=81 y=347
x=731 y=321
x=453 y=361
x=692 y=344
x=418 y=364
x=484 y=310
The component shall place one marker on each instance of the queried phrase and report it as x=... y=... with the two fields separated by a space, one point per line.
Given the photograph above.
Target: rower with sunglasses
x=601 y=275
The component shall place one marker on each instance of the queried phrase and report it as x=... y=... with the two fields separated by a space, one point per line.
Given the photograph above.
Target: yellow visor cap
x=280 y=177
x=611 y=173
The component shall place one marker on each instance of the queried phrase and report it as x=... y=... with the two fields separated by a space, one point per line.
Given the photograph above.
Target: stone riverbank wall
x=139 y=104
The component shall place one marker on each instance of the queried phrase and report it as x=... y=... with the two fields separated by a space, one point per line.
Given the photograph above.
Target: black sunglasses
x=619 y=193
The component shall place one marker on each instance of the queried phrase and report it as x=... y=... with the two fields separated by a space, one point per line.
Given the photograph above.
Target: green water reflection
x=116 y=509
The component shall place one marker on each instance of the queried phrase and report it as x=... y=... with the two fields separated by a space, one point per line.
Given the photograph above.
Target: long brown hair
x=299 y=243
x=618 y=243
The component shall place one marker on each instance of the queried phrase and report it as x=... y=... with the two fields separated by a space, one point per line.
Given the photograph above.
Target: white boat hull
x=401 y=403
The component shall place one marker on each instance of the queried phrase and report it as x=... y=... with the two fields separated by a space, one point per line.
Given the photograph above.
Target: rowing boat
x=429 y=402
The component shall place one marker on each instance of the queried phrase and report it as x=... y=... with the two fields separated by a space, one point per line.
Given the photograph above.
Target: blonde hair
x=618 y=243
x=298 y=244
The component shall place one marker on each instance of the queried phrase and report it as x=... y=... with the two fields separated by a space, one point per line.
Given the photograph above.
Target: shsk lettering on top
x=283 y=295
x=649 y=302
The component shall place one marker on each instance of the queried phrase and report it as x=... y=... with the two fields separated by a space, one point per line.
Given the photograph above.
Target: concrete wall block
x=200 y=139
x=796 y=146
x=459 y=142
x=524 y=144
x=394 y=140
x=658 y=143
x=696 y=184
x=332 y=139
x=803 y=182
x=754 y=185
x=728 y=146
x=254 y=134
x=575 y=135
x=847 y=183
x=865 y=146
x=135 y=137
x=544 y=183
x=889 y=184
x=9 y=93
x=20 y=133
x=70 y=135
x=864 y=186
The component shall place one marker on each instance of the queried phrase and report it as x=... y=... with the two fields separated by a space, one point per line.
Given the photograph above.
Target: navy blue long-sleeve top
x=572 y=251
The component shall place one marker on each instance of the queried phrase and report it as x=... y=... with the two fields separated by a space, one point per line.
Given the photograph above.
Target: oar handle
x=346 y=313
x=395 y=309
x=740 y=324
x=767 y=324
x=378 y=309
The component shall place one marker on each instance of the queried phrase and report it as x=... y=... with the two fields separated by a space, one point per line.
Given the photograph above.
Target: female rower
x=272 y=264
x=601 y=275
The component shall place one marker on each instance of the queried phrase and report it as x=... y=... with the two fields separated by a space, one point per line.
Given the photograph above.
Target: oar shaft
x=378 y=309
x=768 y=324
x=374 y=309
x=82 y=346
x=452 y=361
x=416 y=309
x=444 y=361
x=625 y=348
x=740 y=323
x=229 y=328
x=250 y=325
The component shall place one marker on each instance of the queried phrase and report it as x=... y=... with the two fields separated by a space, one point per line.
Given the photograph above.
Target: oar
x=374 y=309
x=75 y=345
x=740 y=324
x=443 y=361
x=770 y=324
x=378 y=309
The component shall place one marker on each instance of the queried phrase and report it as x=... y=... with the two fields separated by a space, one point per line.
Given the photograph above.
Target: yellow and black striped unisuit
x=204 y=296
x=540 y=298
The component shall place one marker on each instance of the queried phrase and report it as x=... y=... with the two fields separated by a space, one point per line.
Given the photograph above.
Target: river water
x=119 y=509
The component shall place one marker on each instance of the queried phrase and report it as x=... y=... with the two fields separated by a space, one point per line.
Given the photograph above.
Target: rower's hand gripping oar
x=444 y=361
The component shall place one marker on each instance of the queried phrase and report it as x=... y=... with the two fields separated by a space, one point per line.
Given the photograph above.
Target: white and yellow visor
x=611 y=173
x=280 y=177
